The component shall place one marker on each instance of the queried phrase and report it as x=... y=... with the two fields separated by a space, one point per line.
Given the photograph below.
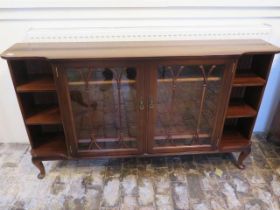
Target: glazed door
x=106 y=107
x=187 y=104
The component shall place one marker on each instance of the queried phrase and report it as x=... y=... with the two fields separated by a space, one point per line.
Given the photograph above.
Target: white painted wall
x=18 y=17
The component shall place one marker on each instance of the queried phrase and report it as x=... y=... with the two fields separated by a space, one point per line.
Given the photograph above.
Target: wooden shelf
x=49 y=116
x=37 y=85
x=233 y=140
x=238 y=109
x=52 y=146
x=248 y=80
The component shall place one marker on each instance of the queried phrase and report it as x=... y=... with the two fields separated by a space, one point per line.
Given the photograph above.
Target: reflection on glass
x=187 y=98
x=103 y=106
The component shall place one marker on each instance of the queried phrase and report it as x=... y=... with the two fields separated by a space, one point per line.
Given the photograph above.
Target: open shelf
x=239 y=108
x=45 y=116
x=250 y=79
x=37 y=85
x=233 y=139
x=236 y=133
x=252 y=69
x=51 y=146
x=48 y=141
x=35 y=88
x=32 y=75
x=40 y=107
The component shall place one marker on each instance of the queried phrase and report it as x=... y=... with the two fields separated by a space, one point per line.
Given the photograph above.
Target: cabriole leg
x=242 y=156
x=40 y=166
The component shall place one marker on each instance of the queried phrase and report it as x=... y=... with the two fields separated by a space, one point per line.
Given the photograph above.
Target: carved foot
x=239 y=163
x=41 y=168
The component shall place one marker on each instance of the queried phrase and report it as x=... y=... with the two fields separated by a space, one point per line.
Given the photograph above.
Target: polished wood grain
x=233 y=139
x=239 y=108
x=40 y=166
x=45 y=116
x=248 y=80
x=52 y=147
x=243 y=155
x=37 y=85
x=134 y=49
x=39 y=73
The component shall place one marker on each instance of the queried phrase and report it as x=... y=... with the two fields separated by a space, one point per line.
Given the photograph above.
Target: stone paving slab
x=177 y=182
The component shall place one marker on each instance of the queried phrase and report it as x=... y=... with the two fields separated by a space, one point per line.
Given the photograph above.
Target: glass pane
x=187 y=98
x=104 y=107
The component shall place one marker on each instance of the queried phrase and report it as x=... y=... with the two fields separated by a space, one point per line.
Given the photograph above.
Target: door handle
x=141 y=105
x=151 y=103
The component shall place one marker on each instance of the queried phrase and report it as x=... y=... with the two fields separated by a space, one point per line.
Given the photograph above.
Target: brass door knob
x=141 y=105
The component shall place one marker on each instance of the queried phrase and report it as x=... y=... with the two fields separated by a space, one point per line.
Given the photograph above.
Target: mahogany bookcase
x=125 y=99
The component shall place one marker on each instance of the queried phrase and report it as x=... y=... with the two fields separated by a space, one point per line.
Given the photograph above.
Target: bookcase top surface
x=137 y=49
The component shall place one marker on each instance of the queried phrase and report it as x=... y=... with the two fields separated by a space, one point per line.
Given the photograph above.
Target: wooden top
x=75 y=50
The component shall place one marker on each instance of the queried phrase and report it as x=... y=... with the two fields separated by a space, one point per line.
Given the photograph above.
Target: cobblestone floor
x=196 y=182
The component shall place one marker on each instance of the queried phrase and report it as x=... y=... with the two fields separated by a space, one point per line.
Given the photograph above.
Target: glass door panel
x=187 y=99
x=104 y=108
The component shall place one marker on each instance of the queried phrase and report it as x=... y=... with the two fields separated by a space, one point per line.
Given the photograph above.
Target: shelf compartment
x=233 y=139
x=32 y=75
x=51 y=146
x=36 y=105
x=238 y=108
x=37 y=85
x=48 y=141
x=45 y=116
x=242 y=80
x=257 y=64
